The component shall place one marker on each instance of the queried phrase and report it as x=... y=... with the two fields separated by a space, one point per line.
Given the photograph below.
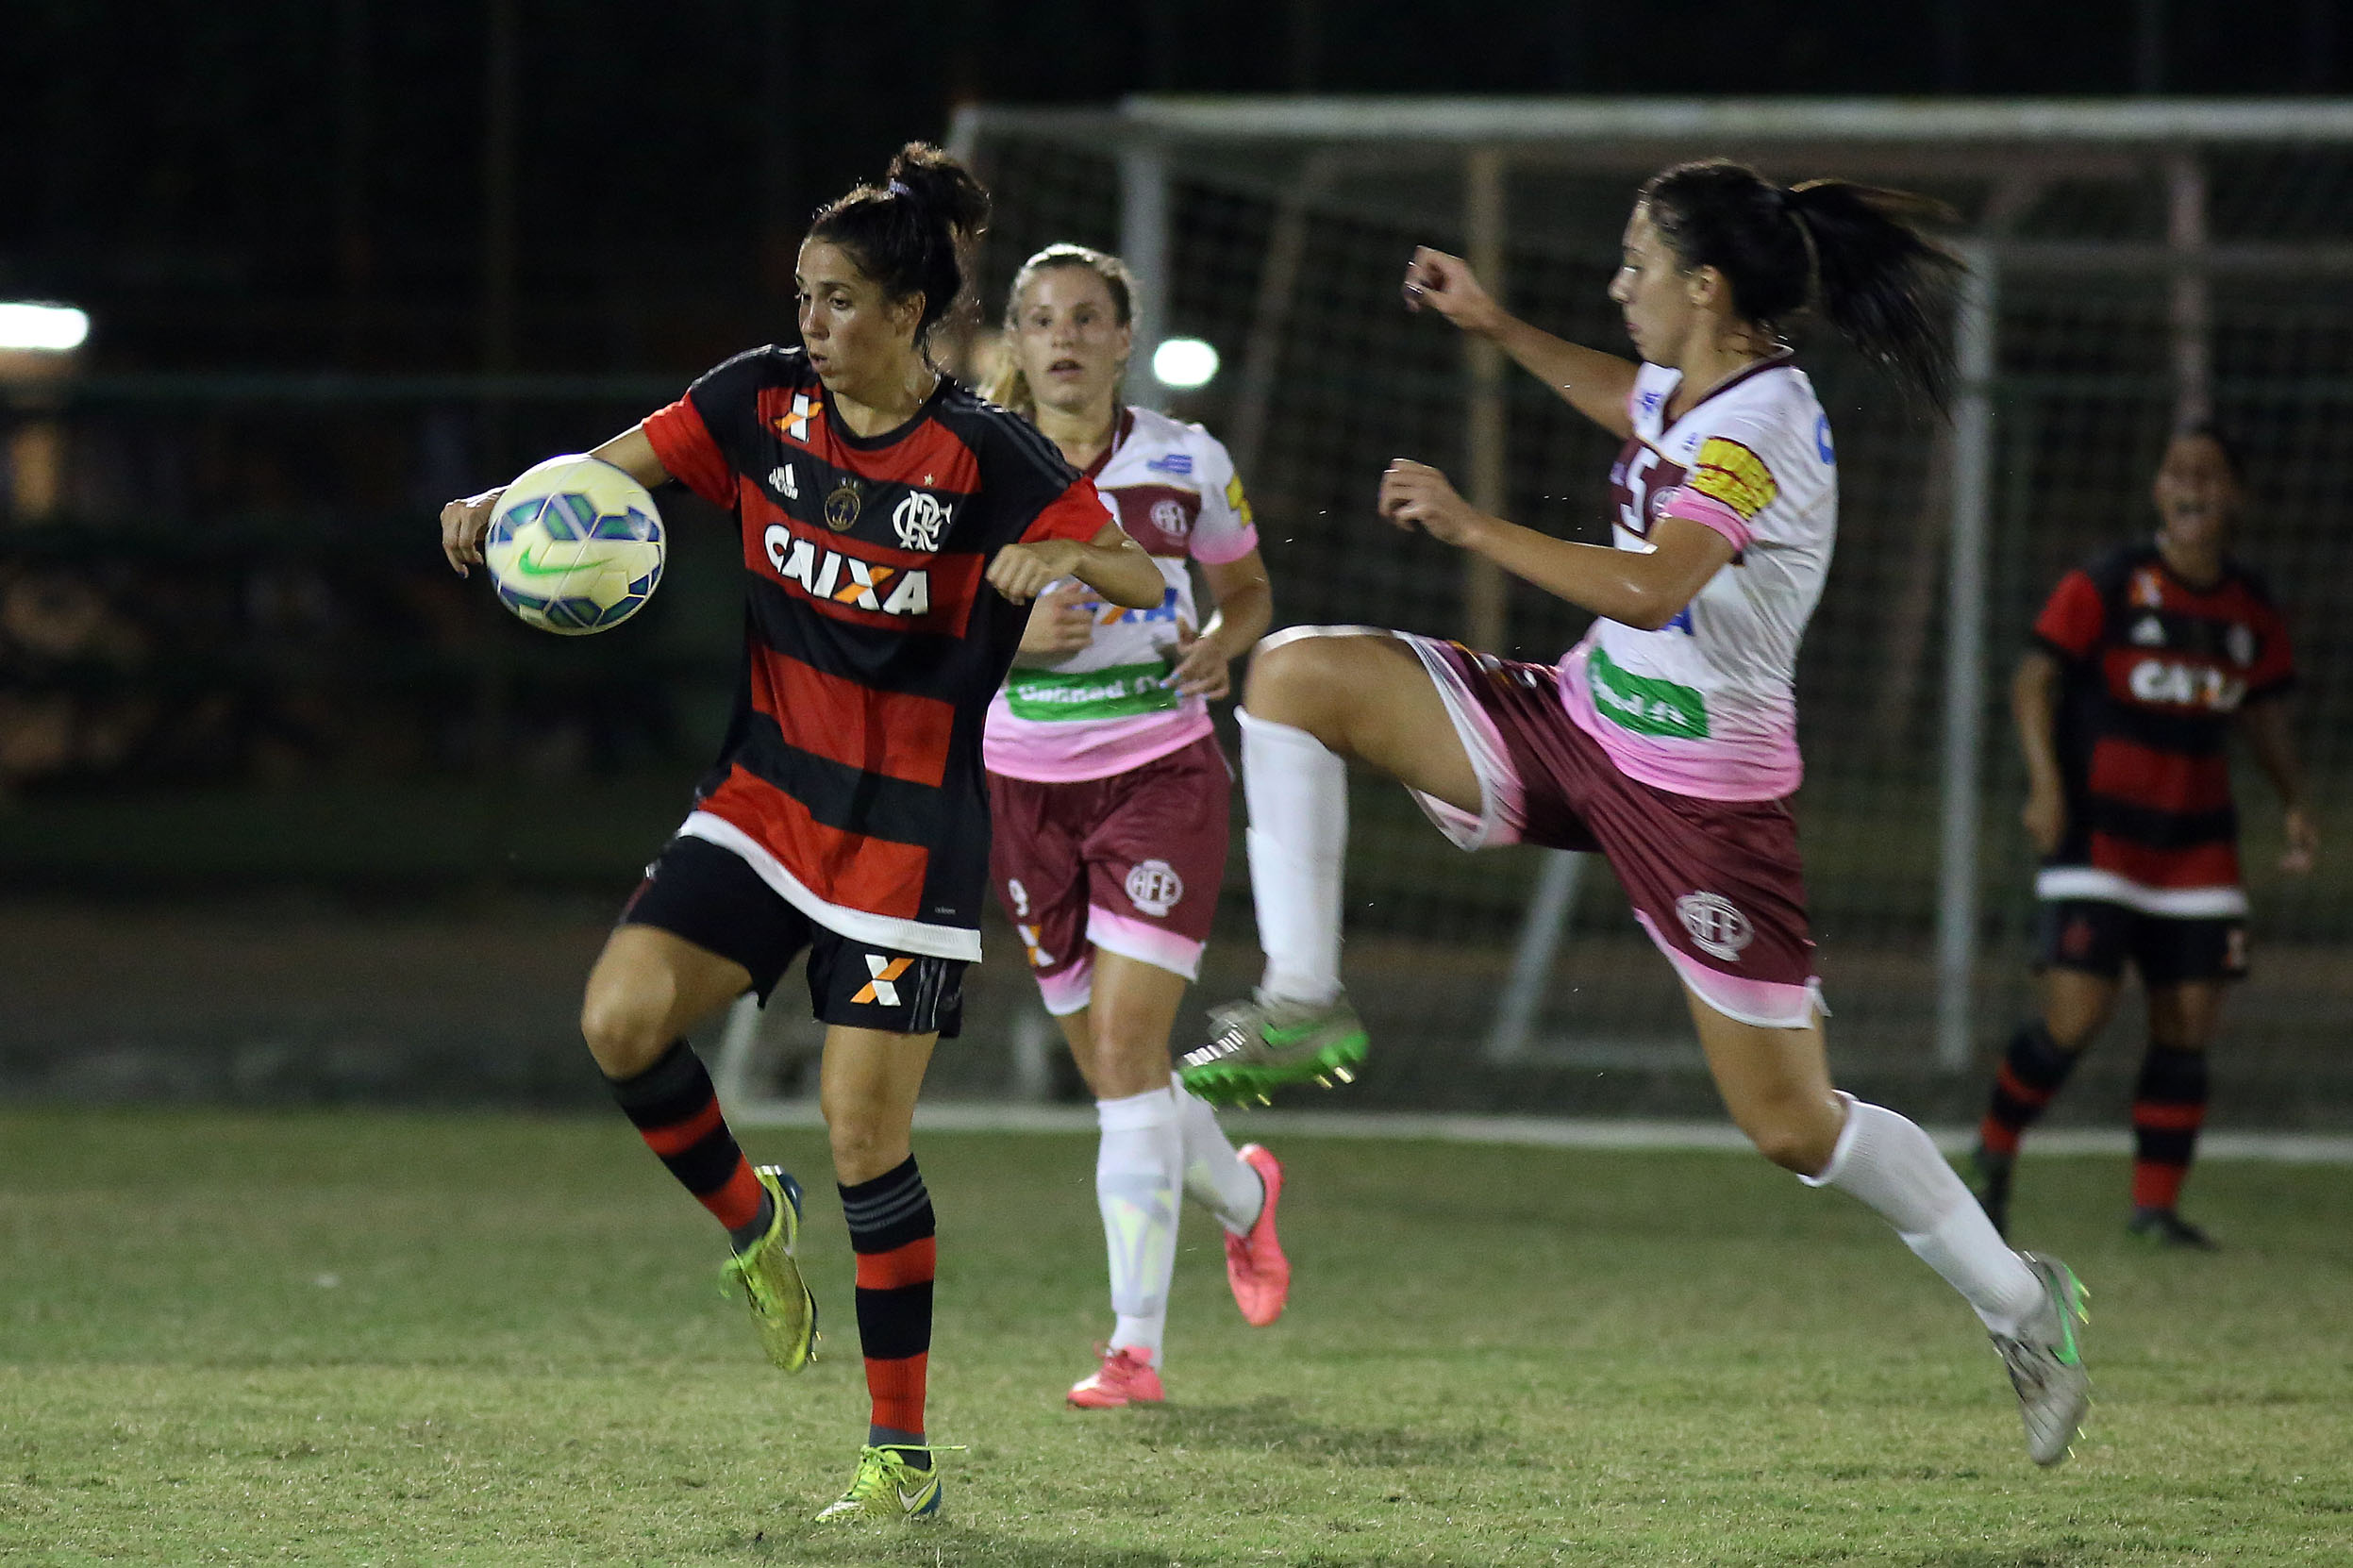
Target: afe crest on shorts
x=1153 y=887
x=1715 y=923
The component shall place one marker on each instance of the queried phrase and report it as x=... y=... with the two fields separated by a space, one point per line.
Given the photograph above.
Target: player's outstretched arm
x=1637 y=589
x=1110 y=563
x=2264 y=724
x=1596 y=384
x=464 y=522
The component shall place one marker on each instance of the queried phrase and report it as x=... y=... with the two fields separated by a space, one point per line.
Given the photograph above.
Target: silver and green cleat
x=1258 y=1047
x=770 y=1281
x=2045 y=1363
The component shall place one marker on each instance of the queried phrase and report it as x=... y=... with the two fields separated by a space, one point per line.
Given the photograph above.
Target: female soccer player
x=1110 y=795
x=1666 y=738
x=894 y=527
x=2141 y=665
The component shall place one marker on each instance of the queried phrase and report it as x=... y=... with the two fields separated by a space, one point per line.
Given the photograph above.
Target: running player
x=1666 y=738
x=2142 y=664
x=1110 y=799
x=893 y=527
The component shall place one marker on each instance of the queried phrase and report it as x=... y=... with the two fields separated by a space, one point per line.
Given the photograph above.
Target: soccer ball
x=575 y=546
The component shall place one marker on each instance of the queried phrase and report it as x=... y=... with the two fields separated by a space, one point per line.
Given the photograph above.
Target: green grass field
x=325 y=1338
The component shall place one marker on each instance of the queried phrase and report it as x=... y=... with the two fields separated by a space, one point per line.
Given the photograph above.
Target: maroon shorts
x=1130 y=864
x=1716 y=883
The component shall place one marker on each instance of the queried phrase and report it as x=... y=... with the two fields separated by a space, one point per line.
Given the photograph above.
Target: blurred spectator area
x=230 y=648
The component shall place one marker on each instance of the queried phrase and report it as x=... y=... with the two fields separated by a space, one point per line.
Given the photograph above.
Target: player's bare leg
x=647 y=990
x=867 y=1085
x=2169 y=1107
x=1317 y=696
x=2037 y=1063
x=1776 y=1082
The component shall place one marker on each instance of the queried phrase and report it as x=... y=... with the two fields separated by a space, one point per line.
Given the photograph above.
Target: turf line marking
x=1536 y=1132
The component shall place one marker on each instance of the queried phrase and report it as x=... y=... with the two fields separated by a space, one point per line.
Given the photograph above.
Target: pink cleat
x=1255 y=1264
x=1125 y=1378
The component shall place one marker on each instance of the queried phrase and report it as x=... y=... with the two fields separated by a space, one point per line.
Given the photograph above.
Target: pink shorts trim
x=1144 y=942
x=1069 y=989
x=1766 y=1004
x=1501 y=817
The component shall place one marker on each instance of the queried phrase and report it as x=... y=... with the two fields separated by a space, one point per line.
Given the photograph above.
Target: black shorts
x=707 y=895
x=2097 y=937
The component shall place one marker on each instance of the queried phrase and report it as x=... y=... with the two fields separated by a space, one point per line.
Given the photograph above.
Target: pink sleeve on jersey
x=1232 y=548
x=1707 y=512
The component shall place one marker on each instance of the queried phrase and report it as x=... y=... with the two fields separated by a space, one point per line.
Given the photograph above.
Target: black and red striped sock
x=2168 y=1107
x=677 y=1113
x=892 y=1232
x=2031 y=1073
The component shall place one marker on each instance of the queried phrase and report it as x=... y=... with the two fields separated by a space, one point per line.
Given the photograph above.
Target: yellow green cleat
x=886 y=1487
x=782 y=1310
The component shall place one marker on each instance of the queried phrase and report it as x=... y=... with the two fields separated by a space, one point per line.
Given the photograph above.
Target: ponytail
x=1853 y=252
x=1008 y=387
x=910 y=233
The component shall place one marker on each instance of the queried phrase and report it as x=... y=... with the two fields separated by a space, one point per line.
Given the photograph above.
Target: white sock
x=1893 y=1166
x=1215 y=1177
x=1297 y=792
x=1137 y=1168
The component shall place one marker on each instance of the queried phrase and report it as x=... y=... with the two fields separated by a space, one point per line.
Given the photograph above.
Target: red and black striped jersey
x=2152 y=669
x=851 y=778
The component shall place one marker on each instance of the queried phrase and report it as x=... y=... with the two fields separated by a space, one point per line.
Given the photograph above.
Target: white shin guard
x=1892 y=1166
x=1297 y=790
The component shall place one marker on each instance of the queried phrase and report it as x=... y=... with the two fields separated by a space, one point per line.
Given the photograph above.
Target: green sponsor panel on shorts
x=1122 y=692
x=1644 y=704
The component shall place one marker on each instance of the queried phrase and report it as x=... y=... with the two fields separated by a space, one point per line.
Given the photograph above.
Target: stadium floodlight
x=34 y=326
x=1184 y=363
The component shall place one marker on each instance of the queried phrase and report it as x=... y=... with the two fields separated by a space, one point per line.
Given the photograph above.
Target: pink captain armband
x=1707 y=512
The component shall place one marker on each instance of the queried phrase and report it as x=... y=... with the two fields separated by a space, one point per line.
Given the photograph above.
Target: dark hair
x=908 y=233
x=2233 y=457
x=1010 y=387
x=1855 y=251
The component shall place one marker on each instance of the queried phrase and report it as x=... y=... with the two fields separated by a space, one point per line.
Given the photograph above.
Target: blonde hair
x=1008 y=387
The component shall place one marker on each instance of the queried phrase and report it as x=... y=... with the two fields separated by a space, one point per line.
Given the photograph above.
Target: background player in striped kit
x=1111 y=798
x=2142 y=664
x=1666 y=738
x=893 y=529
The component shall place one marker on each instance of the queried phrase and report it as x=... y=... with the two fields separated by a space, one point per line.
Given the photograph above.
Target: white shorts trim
x=900 y=936
x=1498 y=821
x=2053 y=884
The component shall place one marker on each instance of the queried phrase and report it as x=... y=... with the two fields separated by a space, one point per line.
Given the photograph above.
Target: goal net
x=2133 y=264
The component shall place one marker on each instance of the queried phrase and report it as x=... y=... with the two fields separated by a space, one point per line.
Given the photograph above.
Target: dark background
x=303 y=183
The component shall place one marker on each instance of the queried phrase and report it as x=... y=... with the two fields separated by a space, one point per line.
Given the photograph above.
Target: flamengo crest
x=920 y=520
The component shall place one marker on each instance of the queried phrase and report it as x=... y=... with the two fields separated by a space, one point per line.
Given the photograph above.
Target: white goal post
x=2100 y=247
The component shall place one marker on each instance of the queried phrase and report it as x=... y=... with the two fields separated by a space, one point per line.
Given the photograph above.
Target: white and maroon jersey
x=1706 y=705
x=1108 y=708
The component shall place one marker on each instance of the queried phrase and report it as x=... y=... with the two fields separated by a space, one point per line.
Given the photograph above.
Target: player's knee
x=863 y=1145
x=1793 y=1142
x=624 y=1028
x=1297 y=680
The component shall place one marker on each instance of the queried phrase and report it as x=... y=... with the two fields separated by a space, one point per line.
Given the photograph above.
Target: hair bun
x=933 y=179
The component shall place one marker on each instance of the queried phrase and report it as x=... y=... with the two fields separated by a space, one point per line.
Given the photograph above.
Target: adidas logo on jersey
x=2149 y=632
x=845 y=580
